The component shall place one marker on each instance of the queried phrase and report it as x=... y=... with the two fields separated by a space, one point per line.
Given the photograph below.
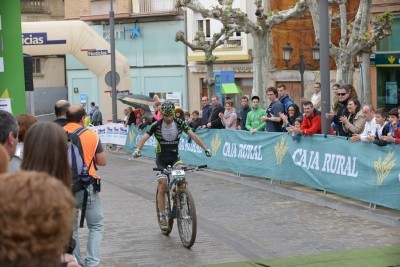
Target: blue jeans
x=94 y=222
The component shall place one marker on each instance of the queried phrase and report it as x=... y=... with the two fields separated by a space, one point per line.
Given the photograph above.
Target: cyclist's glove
x=137 y=153
x=208 y=152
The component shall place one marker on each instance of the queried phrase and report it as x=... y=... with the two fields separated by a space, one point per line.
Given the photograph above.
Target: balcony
x=154 y=7
x=33 y=7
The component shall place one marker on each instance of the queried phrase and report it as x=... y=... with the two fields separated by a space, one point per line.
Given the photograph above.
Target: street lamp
x=301 y=65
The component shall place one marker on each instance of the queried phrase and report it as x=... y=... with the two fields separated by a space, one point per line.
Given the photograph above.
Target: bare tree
x=260 y=30
x=354 y=37
x=200 y=43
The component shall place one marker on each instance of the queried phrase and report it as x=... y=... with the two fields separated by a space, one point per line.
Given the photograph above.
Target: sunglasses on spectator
x=342 y=94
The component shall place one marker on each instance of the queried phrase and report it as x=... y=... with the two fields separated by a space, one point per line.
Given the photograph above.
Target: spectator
x=36 y=219
x=284 y=98
x=352 y=91
x=179 y=113
x=139 y=113
x=145 y=121
x=335 y=98
x=274 y=121
x=52 y=156
x=243 y=112
x=24 y=122
x=229 y=117
x=297 y=133
x=355 y=121
x=131 y=117
x=382 y=127
x=97 y=117
x=125 y=118
x=157 y=112
x=368 y=135
x=206 y=111
x=187 y=117
x=253 y=121
x=214 y=122
x=311 y=121
x=4 y=159
x=293 y=114
x=394 y=127
x=316 y=97
x=93 y=148
x=196 y=121
x=60 y=110
x=9 y=138
x=343 y=95
x=92 y=105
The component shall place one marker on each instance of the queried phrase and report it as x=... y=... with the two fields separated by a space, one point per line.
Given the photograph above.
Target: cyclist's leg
x=161 y=183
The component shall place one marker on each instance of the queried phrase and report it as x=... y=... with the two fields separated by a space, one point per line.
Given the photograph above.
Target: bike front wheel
x=186 y=217
x=167 y=211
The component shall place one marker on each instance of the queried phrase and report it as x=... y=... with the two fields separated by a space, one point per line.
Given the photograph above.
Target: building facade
x=144 y=33
x=385 y=61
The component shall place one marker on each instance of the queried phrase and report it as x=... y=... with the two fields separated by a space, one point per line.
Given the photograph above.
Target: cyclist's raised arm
x=197 y=139
x=143 y=140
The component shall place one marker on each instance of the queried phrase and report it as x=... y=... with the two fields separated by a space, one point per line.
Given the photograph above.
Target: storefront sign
x=385 y=59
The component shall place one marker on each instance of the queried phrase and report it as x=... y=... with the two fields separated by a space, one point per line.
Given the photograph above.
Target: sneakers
x=163 y=222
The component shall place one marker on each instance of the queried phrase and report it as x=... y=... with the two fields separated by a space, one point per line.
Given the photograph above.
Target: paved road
x=235 y=222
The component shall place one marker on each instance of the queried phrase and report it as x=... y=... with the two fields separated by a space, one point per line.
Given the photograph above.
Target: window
x=391 y=43
x=36 y=67
x=204 y=25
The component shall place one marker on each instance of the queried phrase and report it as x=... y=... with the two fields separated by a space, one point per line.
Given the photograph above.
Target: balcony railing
x=150 y=7
x=233 y=42
x=33 y=6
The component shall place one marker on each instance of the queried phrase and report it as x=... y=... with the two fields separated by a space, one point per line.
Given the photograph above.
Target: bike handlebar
x=186 y=169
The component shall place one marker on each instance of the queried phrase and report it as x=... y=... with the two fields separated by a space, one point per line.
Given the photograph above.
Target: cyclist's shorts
x=164 y=159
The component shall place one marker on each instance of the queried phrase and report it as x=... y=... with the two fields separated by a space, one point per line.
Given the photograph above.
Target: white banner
x=112 y=133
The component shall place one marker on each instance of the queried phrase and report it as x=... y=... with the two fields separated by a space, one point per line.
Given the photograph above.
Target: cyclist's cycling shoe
x=163 y=222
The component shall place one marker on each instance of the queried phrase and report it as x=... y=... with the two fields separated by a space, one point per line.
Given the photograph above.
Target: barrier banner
x=360 y=170
x=112 y=133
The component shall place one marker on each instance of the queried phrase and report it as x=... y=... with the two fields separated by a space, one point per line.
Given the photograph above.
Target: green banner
x=12 y=81
x=361 y=170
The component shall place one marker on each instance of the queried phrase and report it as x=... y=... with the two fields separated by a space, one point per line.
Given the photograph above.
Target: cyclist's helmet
x=168 y=109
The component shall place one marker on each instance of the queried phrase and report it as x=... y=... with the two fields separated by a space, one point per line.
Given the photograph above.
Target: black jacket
x=214 y=118
x=342 y=111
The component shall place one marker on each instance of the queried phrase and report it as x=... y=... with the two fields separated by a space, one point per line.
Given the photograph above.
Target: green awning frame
x=230 y=88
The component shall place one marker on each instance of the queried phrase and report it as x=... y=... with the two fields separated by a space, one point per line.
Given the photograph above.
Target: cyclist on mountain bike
x=167 y=132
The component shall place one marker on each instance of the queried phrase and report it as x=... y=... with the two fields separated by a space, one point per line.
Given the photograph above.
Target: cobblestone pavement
x=236 y=221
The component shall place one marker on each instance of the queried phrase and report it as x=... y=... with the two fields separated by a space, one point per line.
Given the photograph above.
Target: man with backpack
x=86 y=183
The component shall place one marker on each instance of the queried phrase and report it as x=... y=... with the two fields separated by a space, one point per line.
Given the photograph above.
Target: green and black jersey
x=168 y=136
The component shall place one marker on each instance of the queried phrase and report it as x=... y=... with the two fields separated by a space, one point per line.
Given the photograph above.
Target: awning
x=230 y=88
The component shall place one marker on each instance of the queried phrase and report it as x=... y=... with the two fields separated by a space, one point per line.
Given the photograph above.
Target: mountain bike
x=179 y=204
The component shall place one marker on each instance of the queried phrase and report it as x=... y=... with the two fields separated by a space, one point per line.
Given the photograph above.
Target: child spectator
x=382 y=127
x=195 y=123
x=297 y=134
x=394 y=127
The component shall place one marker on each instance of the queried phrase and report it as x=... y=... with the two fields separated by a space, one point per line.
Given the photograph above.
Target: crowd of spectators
x=349 y=118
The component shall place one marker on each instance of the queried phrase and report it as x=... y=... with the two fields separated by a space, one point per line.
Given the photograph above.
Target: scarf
x=227 y=113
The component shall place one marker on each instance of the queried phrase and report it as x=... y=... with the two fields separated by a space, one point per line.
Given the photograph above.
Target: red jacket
x=311 y=124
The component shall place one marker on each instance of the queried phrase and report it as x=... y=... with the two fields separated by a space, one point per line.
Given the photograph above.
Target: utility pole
x=113 y=78
x=324 y=64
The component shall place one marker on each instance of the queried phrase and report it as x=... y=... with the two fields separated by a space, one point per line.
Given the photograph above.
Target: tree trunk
x=366 y=77
x=260 y=64
x=344 y=63
x=209 y=80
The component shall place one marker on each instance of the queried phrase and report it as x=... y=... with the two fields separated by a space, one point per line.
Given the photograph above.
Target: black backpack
x=80 y=171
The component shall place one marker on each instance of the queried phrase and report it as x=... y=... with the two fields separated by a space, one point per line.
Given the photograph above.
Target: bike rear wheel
x=186 y=217
x=167 y=211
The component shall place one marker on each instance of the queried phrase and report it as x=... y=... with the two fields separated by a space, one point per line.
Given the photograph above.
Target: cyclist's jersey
x=168 y=136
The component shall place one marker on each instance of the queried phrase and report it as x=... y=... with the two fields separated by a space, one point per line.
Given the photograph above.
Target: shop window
x=388 y=83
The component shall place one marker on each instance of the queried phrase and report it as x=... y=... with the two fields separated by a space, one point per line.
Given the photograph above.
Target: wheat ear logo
x=280 y=150
x=132 y=136
x=215 y=144
x=383 y=168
